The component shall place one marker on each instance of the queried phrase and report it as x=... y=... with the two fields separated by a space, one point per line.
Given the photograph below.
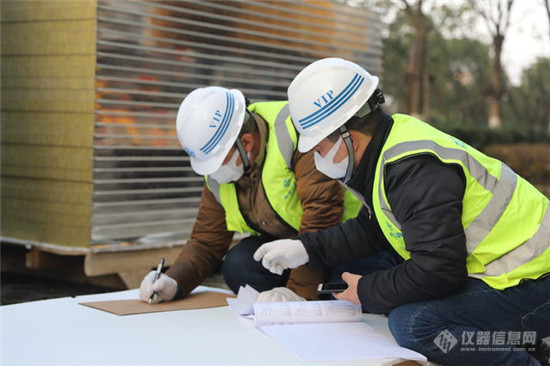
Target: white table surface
x=62 y=332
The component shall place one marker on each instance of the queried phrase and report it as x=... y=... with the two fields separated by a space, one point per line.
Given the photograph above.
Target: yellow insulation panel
x=48 y=61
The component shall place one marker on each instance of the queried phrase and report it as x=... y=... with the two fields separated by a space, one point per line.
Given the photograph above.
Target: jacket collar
x=362 y=179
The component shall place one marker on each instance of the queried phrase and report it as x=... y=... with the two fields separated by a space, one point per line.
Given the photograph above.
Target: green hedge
x=481 y=136
x=525 y=150
x=531 y=161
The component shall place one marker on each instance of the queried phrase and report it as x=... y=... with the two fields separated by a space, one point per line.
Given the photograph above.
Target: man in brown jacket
x=256 y=182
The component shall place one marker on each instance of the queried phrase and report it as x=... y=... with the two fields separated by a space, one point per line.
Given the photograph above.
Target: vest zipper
x=359 y=196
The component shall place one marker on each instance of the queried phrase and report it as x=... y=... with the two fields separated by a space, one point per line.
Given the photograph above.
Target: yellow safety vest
x=506 y=220
x=278 y=178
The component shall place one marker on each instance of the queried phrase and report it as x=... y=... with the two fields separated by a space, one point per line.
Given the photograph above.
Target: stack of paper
x=319 y=330
x=297 y=312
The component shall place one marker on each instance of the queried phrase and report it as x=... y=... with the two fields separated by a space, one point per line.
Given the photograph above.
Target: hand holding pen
x=157 y=276
x=159 y=284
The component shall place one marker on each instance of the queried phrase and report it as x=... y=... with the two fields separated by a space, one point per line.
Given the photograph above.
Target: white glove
x=165 y=288
x=279 y=294
x=279 y=255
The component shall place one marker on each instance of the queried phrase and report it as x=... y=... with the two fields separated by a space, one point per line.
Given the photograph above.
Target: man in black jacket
x=473 y=236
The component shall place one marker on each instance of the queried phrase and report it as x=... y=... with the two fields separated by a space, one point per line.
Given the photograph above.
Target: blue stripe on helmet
x=334 y=104
x=333 y=101
x=224 y=125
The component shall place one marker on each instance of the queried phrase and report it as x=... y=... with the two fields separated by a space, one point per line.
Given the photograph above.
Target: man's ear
x=357 y=136
x=248 y=141
x=354 y=138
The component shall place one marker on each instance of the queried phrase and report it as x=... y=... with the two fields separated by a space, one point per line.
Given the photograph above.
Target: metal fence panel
x=151 y=54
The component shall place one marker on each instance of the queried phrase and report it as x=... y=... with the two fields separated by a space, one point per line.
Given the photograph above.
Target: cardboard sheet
x=200 y=300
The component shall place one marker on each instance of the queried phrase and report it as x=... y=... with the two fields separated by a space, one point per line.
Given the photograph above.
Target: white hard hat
x=208 y=123
x=325 y=95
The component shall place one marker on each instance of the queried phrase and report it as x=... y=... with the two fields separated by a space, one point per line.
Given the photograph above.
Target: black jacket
x=426 y=199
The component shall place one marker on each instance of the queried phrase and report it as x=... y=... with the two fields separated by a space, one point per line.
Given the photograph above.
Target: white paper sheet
x=243 y=304
x=338 y=341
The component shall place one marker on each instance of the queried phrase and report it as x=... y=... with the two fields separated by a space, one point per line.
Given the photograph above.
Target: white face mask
x=327 y=166
x=230 y=172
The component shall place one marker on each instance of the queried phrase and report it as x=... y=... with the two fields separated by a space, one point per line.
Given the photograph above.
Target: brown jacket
x=322 y=203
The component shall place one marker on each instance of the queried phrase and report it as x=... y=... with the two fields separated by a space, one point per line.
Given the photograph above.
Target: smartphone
x=331 y=287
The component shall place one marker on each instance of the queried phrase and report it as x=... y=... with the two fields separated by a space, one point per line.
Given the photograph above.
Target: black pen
x=157 y=276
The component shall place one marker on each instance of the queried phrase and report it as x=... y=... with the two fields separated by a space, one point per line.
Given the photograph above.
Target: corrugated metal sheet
x=150 y=55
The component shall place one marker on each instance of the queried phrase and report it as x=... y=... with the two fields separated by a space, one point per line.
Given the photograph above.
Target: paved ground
x=18 y=288
x=20 y=284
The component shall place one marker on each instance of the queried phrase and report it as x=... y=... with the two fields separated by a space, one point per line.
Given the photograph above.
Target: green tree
x=496 y=15
x=395 y=59
x=529 y=103
x=458 y=70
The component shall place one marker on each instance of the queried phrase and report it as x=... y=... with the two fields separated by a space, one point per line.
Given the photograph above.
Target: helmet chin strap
x=373 y=103
x=244 y=157
x=346 y=136
x=376 y=99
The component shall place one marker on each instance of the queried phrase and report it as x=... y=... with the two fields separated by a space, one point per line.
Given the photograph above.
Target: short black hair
x=249 y=125
x=366 y=124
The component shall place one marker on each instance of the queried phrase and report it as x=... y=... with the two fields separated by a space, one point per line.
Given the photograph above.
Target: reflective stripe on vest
x=284 y=140
x=505 y=262
x=528 y=251
x=502 y=189
x=278 y=179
